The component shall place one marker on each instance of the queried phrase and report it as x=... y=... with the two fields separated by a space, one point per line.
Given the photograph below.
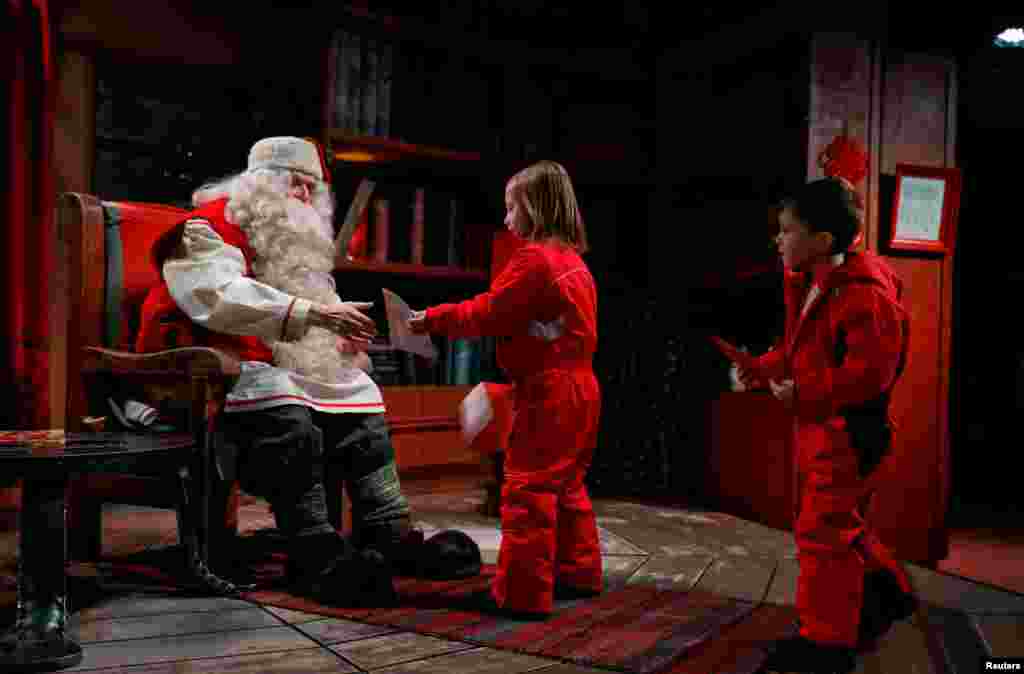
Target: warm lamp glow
x=1011 y=37
x=355 y=156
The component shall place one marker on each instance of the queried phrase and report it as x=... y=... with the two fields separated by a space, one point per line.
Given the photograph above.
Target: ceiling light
x=1011 y=37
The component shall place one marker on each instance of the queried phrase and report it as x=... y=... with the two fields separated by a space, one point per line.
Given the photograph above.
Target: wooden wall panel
x=915 y=111
x=918 y=127
x=843 y=85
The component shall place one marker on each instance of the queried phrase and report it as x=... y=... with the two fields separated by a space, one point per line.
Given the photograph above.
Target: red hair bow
x=845 y=158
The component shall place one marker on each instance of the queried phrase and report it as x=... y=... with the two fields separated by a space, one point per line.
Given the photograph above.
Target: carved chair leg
x=188 y=532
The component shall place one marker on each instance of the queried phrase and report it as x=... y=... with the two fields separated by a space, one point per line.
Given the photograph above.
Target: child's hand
x=418 y=323
x=783 y=391
x=747 y=378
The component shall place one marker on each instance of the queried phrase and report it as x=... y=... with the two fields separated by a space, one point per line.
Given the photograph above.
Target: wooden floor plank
x=782 y=590
x=169 y=649
x=308 y=661
x=392 y=649
x=293 y=617
x=672 y=573
x=957 y=593
x=172 y=624
x=738 y=577
x=904 y=649
x=329 y=631
x=618 y=569
x=473 y=661
x=143 y=605
x=1003 y=635
x=953 y=635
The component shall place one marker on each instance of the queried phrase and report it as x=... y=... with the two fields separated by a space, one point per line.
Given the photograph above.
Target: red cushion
x=140 y=224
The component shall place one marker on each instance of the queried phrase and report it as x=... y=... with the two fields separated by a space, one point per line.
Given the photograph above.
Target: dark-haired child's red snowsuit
x=844 y=348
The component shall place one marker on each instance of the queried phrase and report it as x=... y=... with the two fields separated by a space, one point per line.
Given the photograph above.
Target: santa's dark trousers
x=286 y=454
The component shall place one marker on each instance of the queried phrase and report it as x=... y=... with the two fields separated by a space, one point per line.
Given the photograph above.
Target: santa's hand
x=345 y=319
x=418 y=322
x=360 y=358
x=783 y=391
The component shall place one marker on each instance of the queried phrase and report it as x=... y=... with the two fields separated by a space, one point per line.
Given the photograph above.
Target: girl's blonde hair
x=550 y=203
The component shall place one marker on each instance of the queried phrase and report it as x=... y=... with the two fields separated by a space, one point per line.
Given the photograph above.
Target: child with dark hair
x=845 y=345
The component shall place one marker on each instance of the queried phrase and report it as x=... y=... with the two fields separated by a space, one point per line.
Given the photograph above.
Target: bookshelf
x=416 y=271
x=436 y=188
x=379 y=149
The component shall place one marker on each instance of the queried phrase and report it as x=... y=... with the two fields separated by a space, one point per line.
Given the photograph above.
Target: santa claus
x=251 y=273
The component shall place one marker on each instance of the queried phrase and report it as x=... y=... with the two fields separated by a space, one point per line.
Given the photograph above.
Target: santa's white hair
x=293 y=251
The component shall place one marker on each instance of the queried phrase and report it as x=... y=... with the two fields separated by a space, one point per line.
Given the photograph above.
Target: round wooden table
x=45 y=460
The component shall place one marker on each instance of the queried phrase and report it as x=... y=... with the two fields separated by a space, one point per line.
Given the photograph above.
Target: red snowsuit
x=843 y=351
x=543 y=309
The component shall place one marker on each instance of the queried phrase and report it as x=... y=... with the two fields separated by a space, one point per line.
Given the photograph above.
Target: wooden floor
x=667 y=547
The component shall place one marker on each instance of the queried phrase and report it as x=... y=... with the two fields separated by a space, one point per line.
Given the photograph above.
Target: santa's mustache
x=305 y=217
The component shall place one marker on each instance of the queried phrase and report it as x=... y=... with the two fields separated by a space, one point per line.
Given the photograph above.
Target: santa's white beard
x=294 y=252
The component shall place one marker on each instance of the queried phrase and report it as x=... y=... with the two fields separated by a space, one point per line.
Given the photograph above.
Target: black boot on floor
x=447 y=555
x=799 y=654
x=885 y=603
x=483 y=601
x=330 y=570
x=568 y=592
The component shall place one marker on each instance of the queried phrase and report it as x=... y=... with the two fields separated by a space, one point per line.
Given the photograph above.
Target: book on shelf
x=460 y=362
x=404 y=223
x=368 y=107
x=385 y=65
x=454 y=249
x=381 y=233
x=354 y=64
x=351 y=241
x=360 y=91
x=400 y=222
x=416 y=229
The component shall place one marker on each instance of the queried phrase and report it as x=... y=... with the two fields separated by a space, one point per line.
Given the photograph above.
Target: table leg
x=39 y=641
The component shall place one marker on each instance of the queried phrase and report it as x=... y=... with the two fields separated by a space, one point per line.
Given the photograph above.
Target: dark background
x=162 y=129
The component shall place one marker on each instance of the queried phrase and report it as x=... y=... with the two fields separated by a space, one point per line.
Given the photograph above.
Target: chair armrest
x=188 y=361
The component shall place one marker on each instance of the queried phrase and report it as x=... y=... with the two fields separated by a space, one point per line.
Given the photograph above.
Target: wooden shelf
x=414 y=270
x=375 y=150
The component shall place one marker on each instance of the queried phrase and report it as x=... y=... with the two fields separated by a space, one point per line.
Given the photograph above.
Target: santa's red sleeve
x=506 y=309
x=873 y=327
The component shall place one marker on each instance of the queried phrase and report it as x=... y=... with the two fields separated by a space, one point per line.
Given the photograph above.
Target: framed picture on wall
x=924 y=210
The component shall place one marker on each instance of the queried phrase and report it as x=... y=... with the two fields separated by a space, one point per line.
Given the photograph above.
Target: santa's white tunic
x=210 y=285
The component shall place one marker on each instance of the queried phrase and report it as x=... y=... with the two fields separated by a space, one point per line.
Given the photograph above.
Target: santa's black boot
x=329 y=569
x=798 y=654
x=447 y=555
x=885 y=603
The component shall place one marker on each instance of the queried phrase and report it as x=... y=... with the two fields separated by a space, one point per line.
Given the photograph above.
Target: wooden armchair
x=109 y=271
x=108 y=253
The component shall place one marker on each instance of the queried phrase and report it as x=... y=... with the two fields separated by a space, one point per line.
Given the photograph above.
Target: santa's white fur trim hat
x=286 y=152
